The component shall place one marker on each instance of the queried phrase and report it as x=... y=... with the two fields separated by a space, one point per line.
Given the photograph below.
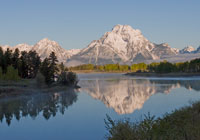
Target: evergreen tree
x=53 y=69
x=1 y=74
x=1 y=57
x=33 y=64
x=44 y=69
x=15 y=59
x=23 y=70
x=62 y=68
x=7 y=59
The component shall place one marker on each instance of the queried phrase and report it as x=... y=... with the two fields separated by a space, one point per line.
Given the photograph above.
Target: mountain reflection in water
x=127 y=95
x=47 y=104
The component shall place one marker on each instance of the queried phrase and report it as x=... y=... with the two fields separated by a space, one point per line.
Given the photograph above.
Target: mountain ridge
x=44 y=47
x=122 y=44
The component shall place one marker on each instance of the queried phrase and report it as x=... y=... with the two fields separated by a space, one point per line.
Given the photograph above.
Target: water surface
x=77 y=115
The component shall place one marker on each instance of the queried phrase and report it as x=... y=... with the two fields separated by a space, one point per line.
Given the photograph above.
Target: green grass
x=182 y=124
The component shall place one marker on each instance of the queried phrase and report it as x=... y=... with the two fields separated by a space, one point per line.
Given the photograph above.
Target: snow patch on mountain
x=73 y=52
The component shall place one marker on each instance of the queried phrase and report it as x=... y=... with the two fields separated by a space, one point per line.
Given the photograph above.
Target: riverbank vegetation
x=192 y=66
x=26 y=69
x=183 y=124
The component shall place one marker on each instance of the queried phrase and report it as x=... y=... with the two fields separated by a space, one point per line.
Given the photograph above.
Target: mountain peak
x=119 y=26
x=122 y=44
x=45 y=39
x=125 y=28
x=188 y=49
x=48 y=44
x=45 y=47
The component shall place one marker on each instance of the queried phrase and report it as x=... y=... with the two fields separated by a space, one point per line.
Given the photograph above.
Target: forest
x=28 y=65
x=192 y=66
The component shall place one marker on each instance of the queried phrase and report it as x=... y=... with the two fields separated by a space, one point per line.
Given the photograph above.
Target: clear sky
x=75 y=23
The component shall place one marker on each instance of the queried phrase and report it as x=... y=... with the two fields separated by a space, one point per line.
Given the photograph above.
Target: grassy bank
x=29 y=86
x=182 y=124
x=13 y=88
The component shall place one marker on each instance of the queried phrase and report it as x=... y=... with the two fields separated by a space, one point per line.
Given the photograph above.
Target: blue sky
x=75 y=23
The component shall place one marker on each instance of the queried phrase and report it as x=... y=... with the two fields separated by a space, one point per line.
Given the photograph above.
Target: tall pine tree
x=44 y=69
x=15 y=58
x=7 y=59
x=33 y=64
x=53 y=68
x=23 y=70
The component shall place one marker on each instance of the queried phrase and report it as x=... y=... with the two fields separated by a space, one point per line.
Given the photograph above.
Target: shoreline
x=163 y=74
x=142 y=74
x=28 y=87
x=93 y=72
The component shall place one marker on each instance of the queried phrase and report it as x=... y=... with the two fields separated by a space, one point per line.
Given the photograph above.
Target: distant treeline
x=28 y=65
x=192 y=66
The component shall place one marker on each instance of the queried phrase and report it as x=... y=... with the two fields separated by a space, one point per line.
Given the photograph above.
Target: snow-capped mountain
x=21 y=47
x=44 y=47
x=188 y=49
x=123 y=44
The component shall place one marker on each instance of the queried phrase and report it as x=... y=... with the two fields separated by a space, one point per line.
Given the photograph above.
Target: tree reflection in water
x=47 y=104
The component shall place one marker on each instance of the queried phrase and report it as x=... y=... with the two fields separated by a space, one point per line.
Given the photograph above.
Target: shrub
x=62 y=78
x=11 y=74
x=40 y=80
x=182 y=124
x=68 y=78
x=1 y=73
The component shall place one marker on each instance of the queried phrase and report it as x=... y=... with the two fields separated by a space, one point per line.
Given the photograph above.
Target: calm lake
x=79 y=115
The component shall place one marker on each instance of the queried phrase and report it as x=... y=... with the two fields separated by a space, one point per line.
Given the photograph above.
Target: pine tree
x=7 y=59
x=62 y=68
x=15 y=59
x=53 y=68
x=23 y=70
x=44 y=69
x=1 y=74
x=1 y=57
x=33 y=64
